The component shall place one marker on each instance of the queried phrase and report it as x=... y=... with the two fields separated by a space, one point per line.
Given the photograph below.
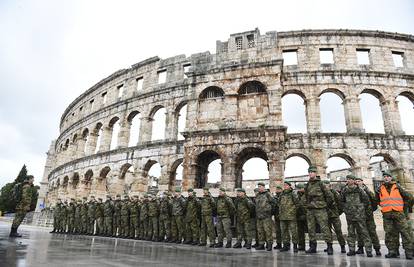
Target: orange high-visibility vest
x=391 y=201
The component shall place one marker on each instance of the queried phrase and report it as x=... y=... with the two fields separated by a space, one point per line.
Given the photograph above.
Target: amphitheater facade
x=233 y=112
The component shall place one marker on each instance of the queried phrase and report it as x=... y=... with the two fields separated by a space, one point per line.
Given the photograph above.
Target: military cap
x=79 y=200
x=279 y=186
x=312 y=169
x=241 y=190
x=206 y=189
x=222 y=189
x=146 y=195
x=99 y=198
x=190 y=190
x=386 y=173
x=126 y=196
x=72 y=199
x=85 y=198
x=92 y=196
x=350 y=177
x=288 y=183
x=358 y=179
x=261 y=184
x=326 y=181
x=177 y=189
x=300 y=186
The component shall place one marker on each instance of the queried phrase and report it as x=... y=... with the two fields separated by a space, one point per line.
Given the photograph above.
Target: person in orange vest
x=391 y=198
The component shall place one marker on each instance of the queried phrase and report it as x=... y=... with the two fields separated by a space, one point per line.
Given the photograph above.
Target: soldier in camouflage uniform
x=91 y=216
x=355 y=202
x=23 y=206
x=116 y=221
x=153 y=214
x=84 y=216
x=264 y=206
x=253 y=221
x=100 y=215
x=243 y=206
x=108 y=216
x=143 y=219
x=178 y=211
x=56 y=215
x=392 y=198
x=225 y=211
x=334 y=211
x=208 y=210
x=370 y=223
x=318 y=198
x=288 y=202
x=192 y=219
x=278 y=230
x=78 y=218
x=134 y=218
x=165 y=216
x=301 y=216
x=64 y=217
x=71 y=210
x=124 y=222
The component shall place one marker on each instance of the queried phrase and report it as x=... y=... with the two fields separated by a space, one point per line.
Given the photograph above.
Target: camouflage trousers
x=116 y=225
x=143 y=228
x=302 y=228
x=177 y=227
x=319 y=216
x=278 y=231
x=207 y=228
x=124 y=226
x=91 y=226
x=108 y=225
x=165 y=228
x=192 y=230
x=244 y=230
x=356 y=228
x=335 y=224
x=372 y=231
x=78 y=225
x=289 y=229
x=224 y=229
x=55 y=222
x=71 y=224
x=62 y=224
x=18 y=218
x=84 y=224
x=395 y=223
x=100 y=226
x=265 y=230
x=133 y=226
x=153 y=228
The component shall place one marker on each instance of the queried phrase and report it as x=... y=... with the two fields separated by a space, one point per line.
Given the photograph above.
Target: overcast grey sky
x=51 y=51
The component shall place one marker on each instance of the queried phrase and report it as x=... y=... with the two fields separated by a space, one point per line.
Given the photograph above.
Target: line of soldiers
x=288 y=213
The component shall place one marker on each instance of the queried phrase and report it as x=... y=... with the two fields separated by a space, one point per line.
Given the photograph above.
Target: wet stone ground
x=39 y=248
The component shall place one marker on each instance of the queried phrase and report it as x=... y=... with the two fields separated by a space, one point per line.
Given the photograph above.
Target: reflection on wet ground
x=39 y=248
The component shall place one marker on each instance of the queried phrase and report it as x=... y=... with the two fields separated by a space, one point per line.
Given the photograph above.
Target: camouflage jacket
x=301 y=207
x=108 y=208
x=193 y=209
x=26 y=199
x=336 y=209
x=57 y=210
x=287 y=205
x=117 y=208
x=178 y=206
x=208 y=206
x=373 y=203
x=124 y=208
x=225 y=207
x=317 y=195
x=244 y=206
x=355 y=201
x=143 y=212
x=264 y=205
x=153 y=208
x=92 y=209
x=134 y=209
x=84 y=210
x=78 y=210
x=165 y=208
x=71 y=210
x=276 y=209
x=100 y=210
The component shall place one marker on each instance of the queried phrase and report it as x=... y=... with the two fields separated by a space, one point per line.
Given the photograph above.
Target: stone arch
x=98 y=126
x=345 y=157
x=114 y=128
x=252 y=87
x=338 y=165
x=203 y=161
x=180 y=120
x=294 y=111
x=124 y=169
x=104 y=172
x=88 y=176
x=211 y=92
x=335 y=91
x=85 y=133
x=75 y=138
x=405 y=108
x=158 y=119
x=300 y=161
x=294 y=92
x=58 y=183
x=387 y=158
x=75 y=180
x=134 y=120
x=154 y=110
x=65 y=182
x=146 y=173
x=173 y=173
x=243 y=156
x=332 y=112
x=113 y=121
x=66 y=144
x=408 y=95
x=132 y=115
x=373 y=92
x=300 y=155
x=372 y=117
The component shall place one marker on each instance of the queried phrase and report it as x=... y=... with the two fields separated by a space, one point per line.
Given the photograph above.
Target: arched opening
x=66 y=144
x=251 y=166
x=65 y=182
x=293 y=112
x=209 y=169
x=377 y=164
x=75 y=138
x=158 y=124
x=370 y=105
x=134 y=119
x=211 y=92
x=104 y=172
x=296 y=167
x=88 y=176
x=181 y=121
x=58 y=183
x=338 y=166
x=75 y=180
x=176 y=174
x=126 y=169
x=85 y=137
x=252 y=87
x=98 y=131
x=406 y=109
x=115 y=127
x=332 y=112
x=153 y=172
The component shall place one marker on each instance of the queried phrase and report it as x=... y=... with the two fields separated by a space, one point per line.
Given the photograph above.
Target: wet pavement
x=39 y=248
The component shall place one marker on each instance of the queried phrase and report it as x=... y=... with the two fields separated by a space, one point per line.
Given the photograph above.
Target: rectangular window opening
x=398 y=58
x=162 y=76
x=239 y=43
x=104 y=97
x=250 y=41
x=290 y=57
x=186 y=68
x=140 y=83
x=120 y=90
x=363 y=56
x=326 y=56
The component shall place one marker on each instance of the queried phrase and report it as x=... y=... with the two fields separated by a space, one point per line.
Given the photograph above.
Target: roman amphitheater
x=227 y=106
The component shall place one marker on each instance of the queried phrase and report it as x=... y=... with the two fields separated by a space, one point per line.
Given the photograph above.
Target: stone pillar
x=313 y=115
x=123 y=135
x=391 y=117
x=171 y=125
x=276 y=172
x=106 y=139
x=406 y=176
x=164 y=179
x=145 y=130
x=80 y=150
x=191 y=117
x=275 y=104
x=319 y=160
x=91 y=144
x=363 y=170
x=353 y=117
x=228 y=174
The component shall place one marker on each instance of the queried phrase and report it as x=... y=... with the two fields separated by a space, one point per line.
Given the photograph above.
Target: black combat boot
x=408 y=254
x=391 y=254
x=312 y=247
x=53 y=231
x=378 y=251
x=212 y=245
x=255 y=245
x=195 y=243
x=248 y=246
x=360 y=250
x=260 y=247
x=295 y=248
x=219 y=245
x=228 y=244
x=343 y=250
x=278 y=246
x=269 y=246
x=187 y=242
x=237 y=245
x=369 y=253
x=301 y=247
x=286 y=247
x=202 y=244
x=351 y=252
x=329 y=249
x=13 y=233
